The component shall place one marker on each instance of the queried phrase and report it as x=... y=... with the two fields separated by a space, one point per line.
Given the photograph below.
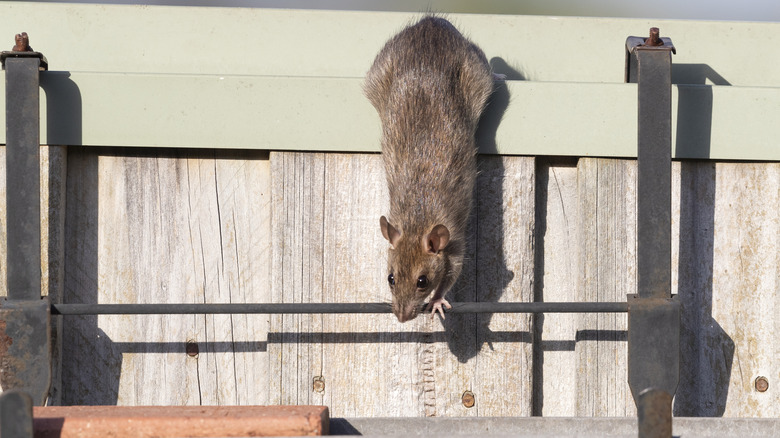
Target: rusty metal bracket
x=16 y=416
x=25 y=336
x=653 y=314
x=653 y=361
x=25 y=347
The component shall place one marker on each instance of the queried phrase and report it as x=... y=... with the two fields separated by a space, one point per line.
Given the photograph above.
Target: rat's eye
x=391 y=279
x=422 y=282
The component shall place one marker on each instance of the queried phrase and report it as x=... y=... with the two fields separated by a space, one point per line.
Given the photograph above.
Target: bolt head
x=318 y=384
x=468 y=399
x=192 y=348
x=761 y=383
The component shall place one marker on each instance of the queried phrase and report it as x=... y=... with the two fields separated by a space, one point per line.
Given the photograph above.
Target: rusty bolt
x=318 y=384
x=468 y=399
x=655 y=38
x=761 y=384
x=192 y=348
x=22 y=43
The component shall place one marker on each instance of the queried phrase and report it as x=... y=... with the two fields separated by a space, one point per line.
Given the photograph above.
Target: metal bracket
x=25 y=336
x=25 y=347
x=653 y=361
x=16 y=417
x=653 y=315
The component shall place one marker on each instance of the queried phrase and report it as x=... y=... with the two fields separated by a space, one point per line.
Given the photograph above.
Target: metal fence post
x=654 y=315
x=25 y=336
x=16 y=418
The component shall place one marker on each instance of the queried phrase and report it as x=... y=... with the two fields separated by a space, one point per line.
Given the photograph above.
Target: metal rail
x=319 y=308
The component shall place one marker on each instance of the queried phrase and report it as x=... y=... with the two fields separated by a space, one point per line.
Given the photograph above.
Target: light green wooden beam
x=259 y=41
x=331 y=114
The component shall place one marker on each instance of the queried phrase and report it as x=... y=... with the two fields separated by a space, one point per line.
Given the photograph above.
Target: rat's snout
x=404 y=311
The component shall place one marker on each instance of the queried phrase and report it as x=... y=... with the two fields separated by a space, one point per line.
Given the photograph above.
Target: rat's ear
x=437 y=239
x=390 y=232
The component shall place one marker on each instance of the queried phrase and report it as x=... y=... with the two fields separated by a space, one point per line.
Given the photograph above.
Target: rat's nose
x=404 y=313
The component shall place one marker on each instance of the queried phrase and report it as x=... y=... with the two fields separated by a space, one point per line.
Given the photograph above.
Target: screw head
x=318 y=384
x=468 y=399
x=761 y=383
x=192 y=348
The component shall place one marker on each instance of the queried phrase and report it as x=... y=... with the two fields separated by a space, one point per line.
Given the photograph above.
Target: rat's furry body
x=429 y=85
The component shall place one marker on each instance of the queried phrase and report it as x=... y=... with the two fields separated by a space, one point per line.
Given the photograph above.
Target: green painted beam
x=331 y=114
x=275 y=42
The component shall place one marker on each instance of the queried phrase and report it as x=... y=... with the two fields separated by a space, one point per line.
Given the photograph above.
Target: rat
x=430 y=85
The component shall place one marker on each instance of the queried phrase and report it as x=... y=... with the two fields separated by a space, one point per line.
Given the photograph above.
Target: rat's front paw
x=436 y=306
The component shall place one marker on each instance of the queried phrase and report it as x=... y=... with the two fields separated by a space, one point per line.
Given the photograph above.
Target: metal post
x=23 y=178
x=25 y=328
x=654 y=316
x=16 y=417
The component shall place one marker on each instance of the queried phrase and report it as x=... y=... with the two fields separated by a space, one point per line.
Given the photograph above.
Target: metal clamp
x=16 y=417
x=653 y=315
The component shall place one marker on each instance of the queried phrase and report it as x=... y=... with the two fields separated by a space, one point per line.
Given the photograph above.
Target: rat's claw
x=436 y=306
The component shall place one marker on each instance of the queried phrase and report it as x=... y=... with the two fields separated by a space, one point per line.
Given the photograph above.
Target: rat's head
x=417 y=266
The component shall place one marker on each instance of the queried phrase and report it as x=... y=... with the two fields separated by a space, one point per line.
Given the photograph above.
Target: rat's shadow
x=485 y=274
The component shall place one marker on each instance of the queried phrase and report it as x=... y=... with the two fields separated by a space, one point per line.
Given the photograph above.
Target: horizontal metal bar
x=315 y=308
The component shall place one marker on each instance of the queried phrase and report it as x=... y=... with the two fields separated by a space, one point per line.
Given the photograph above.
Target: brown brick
x=178 y=421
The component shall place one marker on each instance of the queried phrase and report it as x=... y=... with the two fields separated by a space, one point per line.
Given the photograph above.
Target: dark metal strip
x=16 y=418
x=653 y=408
x=318 y=308
x=654 y=317
x=23 y=178
x=653 y=344
x=651 y=67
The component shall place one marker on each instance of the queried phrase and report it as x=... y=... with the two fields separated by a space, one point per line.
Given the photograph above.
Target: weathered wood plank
x=725 y=264
x=54 y=166
x=373 y=369
x=505 y=198
x=557 y=261
x=728 y=262
x=607 y=267
x=156 y=227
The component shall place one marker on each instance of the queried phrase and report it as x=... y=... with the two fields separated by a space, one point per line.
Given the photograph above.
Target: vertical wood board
x=555 y=279
x=607 y=273
x=160 y=227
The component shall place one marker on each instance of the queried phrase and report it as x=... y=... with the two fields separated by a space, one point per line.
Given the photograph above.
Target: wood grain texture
x=504 y=271
x=724 y=268
x=555 y=279
x=162 y=227
x=728 y=263
x=607 y=273
x=328 y=248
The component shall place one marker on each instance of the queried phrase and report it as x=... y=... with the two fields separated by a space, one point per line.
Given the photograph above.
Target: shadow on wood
x=706 y=351
x=87 y=379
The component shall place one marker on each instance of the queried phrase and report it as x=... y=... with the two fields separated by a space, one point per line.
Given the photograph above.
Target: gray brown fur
x=429 y=85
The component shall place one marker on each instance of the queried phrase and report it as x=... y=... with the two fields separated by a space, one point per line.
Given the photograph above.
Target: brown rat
x=429 y=85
